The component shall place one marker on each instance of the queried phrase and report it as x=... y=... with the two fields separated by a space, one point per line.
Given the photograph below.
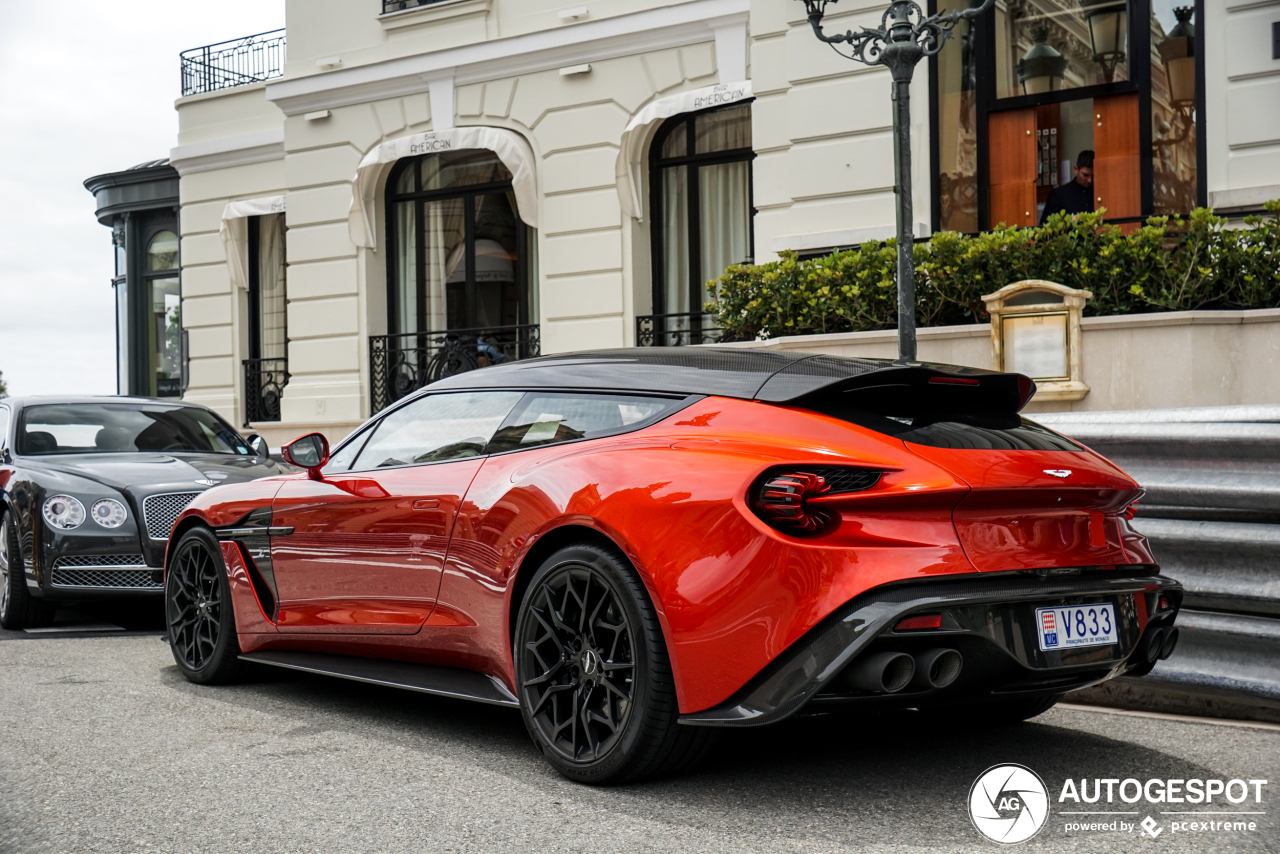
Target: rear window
x=939 y=420
x=546 y=418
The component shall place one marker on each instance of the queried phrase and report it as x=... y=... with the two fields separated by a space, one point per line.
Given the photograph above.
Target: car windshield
x=114 y=428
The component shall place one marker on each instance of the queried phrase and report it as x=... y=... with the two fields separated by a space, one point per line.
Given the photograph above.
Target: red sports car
x=636 y=547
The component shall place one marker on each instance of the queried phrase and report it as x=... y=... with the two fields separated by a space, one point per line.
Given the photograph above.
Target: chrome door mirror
x=258 y=445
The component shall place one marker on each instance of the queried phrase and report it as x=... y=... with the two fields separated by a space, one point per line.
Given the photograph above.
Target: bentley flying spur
x=90 y=488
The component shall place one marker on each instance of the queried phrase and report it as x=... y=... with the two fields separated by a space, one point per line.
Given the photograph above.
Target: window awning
x=640 y=130
x=234 y=232
x=509 y=146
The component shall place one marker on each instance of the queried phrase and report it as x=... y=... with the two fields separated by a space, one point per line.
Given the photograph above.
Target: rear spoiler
x=898 y=389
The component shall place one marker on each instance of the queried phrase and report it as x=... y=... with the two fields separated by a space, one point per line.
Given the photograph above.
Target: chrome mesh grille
x=99 y=561
x=135 y=579
x=159 y=512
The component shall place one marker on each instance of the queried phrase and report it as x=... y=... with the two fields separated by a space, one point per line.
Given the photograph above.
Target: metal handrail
x=238 y=62
x=401 y=364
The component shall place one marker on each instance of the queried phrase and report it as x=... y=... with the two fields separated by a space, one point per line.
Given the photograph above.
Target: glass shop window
x=164 y=327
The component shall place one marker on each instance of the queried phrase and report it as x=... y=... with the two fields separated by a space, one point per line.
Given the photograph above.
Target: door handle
x=426 y=503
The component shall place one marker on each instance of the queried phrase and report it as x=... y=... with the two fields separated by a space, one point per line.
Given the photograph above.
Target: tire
x=18 y=608
x=198 y=611
x=593 y=674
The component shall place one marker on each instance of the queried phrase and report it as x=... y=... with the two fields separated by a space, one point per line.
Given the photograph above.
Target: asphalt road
x=105 y=748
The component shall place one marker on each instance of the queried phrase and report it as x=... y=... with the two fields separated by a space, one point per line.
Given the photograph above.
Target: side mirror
x=310 y=452
x=258 y=445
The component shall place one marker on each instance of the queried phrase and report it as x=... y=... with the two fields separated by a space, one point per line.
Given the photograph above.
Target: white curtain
x=724 y=220
x=445 y=236
x=273 y=333
x=675 y=239
x=406 y=296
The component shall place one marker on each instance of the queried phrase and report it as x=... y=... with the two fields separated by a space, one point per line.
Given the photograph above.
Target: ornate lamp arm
x=903 y=22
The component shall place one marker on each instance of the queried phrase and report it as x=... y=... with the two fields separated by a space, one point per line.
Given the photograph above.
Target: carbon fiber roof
x=748 y=374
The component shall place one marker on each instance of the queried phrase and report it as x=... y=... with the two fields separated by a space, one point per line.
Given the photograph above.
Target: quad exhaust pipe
x=1161 y=643
x=937 y=668
x=891 y=672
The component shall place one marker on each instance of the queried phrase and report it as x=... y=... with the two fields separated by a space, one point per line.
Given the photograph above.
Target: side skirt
x=424 y=678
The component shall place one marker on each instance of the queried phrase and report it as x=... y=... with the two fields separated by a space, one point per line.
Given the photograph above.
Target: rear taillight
x=782 y=501
x=915 y=624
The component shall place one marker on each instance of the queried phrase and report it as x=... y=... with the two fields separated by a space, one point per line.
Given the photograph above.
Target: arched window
x=459 y=253
x=700 y=179
x=164 y=326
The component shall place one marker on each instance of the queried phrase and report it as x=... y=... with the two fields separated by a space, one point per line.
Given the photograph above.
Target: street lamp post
x=905 y=37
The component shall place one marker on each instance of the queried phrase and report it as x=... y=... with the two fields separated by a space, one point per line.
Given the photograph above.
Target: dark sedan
x=90 y=488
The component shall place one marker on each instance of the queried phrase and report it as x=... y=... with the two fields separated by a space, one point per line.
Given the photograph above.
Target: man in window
x=1075 y=196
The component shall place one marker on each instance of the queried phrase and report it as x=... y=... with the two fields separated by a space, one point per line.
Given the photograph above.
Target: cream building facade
x=551 y=193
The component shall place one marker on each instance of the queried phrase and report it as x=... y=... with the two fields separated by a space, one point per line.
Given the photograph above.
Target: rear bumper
x=990 y=620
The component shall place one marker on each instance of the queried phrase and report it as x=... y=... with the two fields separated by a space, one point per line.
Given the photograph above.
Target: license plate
x=1076 y=626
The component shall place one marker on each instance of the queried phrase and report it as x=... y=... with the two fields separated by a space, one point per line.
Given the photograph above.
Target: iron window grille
x=389 y=6
x=264 y=382
x=678 y=330
x=401 y=364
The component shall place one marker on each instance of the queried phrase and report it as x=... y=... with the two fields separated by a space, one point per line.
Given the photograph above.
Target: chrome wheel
x=193 y=604
x=578 y=665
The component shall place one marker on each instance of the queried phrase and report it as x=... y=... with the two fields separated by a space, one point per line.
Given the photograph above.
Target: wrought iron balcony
x=397 y=5
x=234 y=63
x=402 y=364
x=264 y=382
x=678 y=330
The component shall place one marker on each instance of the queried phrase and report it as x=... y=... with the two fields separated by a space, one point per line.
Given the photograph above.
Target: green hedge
x=1170 y=264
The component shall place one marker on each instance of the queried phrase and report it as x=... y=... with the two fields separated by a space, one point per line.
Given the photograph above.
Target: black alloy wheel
x=198 y=610
x=579 y=666
x=18 y=608
x=594 y=679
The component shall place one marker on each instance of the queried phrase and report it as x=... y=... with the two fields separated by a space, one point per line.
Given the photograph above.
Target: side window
x=345 y=456
x=4 y=426
x=436 y=428
x=544 y=418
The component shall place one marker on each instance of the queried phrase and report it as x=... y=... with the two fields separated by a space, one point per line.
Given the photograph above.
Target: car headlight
x=64 y=512
x=108 y=513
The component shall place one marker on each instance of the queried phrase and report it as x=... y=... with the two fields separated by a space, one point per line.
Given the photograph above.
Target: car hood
x=127 y=472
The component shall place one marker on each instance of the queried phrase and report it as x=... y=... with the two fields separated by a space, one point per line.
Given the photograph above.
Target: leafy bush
x=1169 y=264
